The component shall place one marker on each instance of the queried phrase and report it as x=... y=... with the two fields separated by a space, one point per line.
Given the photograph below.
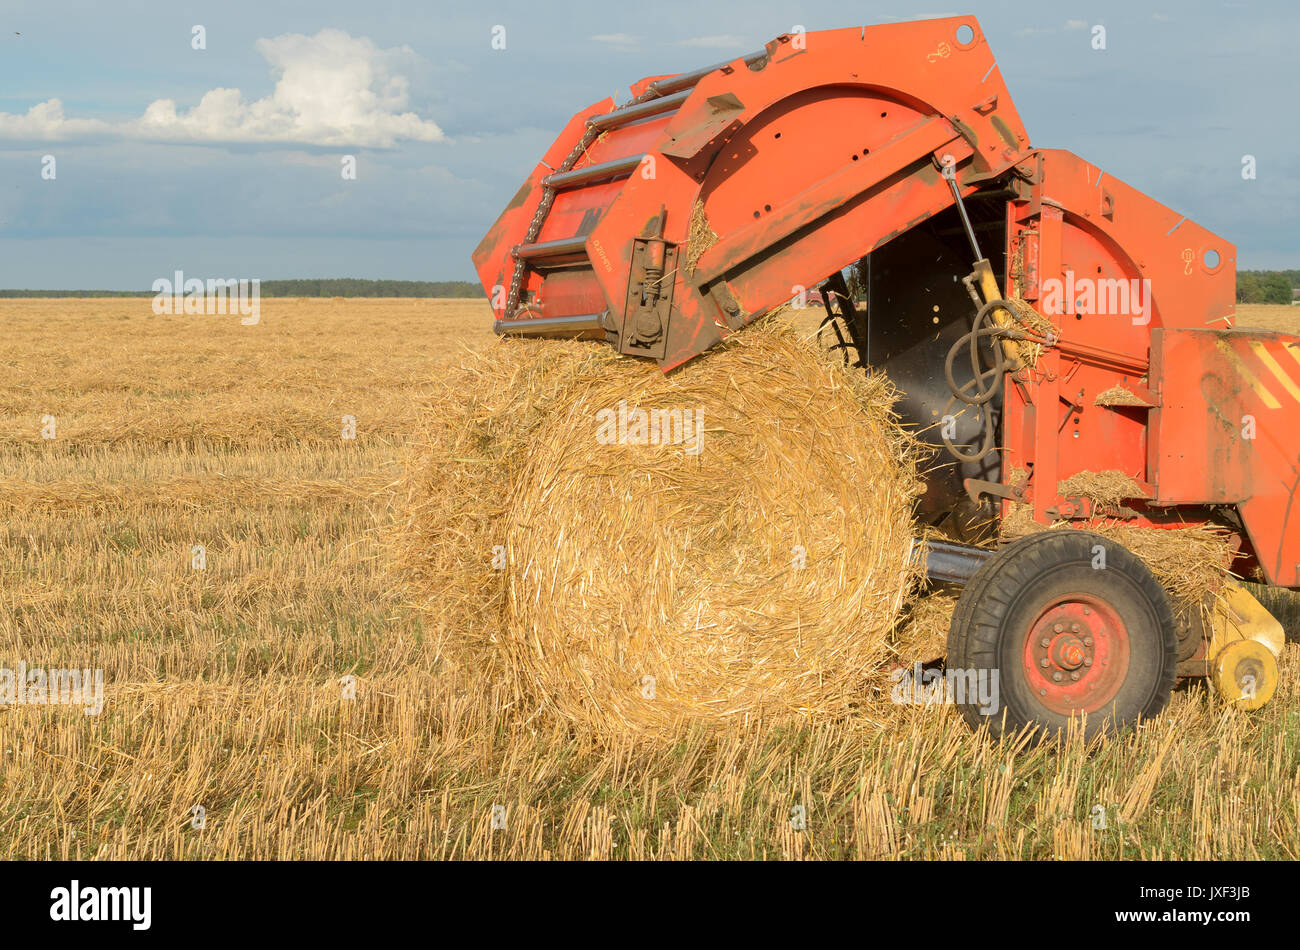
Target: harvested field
x=1268 y=316
x=227 y=687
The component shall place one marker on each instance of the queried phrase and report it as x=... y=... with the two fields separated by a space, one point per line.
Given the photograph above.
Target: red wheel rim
x=1076 y=654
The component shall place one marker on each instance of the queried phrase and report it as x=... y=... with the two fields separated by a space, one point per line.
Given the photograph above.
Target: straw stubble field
x=227 y=688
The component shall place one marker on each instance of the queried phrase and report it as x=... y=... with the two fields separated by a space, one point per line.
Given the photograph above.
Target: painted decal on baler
x=601 y=255
x=1275 y=368
x=1264 y=352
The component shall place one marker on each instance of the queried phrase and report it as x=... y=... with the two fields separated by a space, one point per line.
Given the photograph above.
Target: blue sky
x=160 y=165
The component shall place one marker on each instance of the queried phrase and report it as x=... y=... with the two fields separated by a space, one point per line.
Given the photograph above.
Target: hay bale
x=646 y=582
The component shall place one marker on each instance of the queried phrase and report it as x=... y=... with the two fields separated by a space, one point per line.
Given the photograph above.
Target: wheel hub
x=1245 y=673
x=1076 y=654
x=1067 y=651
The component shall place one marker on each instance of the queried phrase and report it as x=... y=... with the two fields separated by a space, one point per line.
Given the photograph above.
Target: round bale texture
x=727 y=540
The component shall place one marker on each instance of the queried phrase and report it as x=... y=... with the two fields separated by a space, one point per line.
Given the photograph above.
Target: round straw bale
x=749 y=557
x=728 y=539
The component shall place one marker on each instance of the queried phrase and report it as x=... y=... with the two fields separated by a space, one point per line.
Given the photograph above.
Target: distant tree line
x=339 y=287
x=1266 y=286
x=349 y=287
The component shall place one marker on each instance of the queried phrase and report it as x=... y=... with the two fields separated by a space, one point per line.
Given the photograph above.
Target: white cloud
x=723 y=41
x=331 y=89
x=45 y=122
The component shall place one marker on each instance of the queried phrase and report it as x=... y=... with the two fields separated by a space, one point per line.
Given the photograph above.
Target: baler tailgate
x=781 y=167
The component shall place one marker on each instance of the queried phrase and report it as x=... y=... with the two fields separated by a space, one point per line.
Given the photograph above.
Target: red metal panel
x=1225 y=432
x=837 y=96
x=1107 y=265
x=813 y=109
x=1141 y=238
x=1197 y=450
x=570 y=292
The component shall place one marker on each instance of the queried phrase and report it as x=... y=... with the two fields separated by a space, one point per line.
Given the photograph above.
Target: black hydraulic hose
x=986 y=383
x=994 y=374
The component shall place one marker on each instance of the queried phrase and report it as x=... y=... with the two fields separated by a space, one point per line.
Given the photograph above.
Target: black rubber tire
x=1007 y=594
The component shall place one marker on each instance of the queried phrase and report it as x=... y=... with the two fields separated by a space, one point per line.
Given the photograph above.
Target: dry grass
x=223 y=686
x=110 y=372
x=922 y=637
x=1117 y=395
x=1269 y=316
x=1030 y=321
x=1191 y=563
x=1106 y=489
x=699 y=237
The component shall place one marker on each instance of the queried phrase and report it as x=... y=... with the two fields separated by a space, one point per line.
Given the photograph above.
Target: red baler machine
x=665 y=224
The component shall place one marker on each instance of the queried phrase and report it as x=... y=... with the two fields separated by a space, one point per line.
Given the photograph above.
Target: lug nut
x=1045 y=642
x=1074 y=628
x=1043 y=663
x=1087 y=612
x=1042 y=692
x=1059 y=627
x=1087 y=641
x=1087 y=661
x=1057 y=677
x=1074 y=675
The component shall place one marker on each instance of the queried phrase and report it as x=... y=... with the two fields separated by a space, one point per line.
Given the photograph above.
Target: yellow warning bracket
x=1245 y=642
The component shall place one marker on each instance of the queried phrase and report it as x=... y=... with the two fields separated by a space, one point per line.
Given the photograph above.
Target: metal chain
x=544 y=206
